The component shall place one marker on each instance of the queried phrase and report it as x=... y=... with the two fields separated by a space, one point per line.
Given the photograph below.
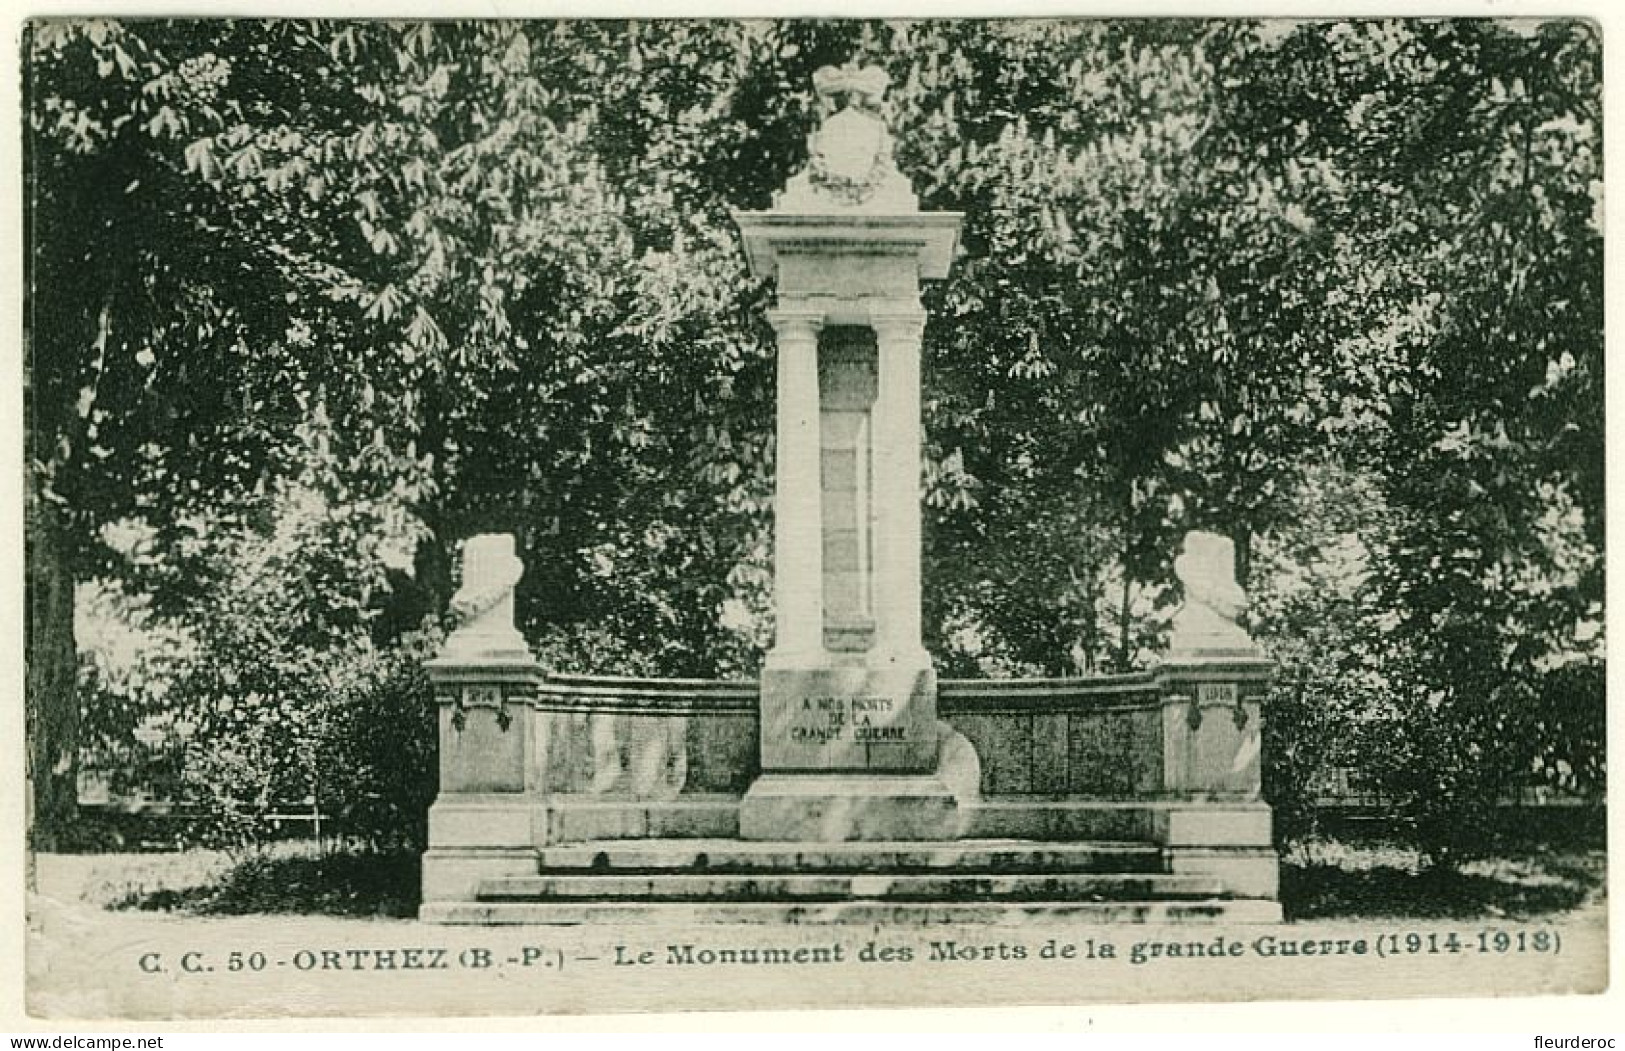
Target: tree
x=1465 y=155
x=482 y=276
x=126 y=266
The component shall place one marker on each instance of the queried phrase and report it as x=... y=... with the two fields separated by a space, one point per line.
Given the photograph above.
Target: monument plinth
x=484 y=820
x=850 y=742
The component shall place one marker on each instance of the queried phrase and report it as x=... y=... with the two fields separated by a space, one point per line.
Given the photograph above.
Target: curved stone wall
x=1099 y=737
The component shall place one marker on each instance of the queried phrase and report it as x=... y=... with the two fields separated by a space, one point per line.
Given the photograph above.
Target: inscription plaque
x=848 y=719
x=1216 y=693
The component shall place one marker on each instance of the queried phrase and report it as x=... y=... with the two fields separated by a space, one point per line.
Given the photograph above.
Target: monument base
x=834 y=808
x=479 y=836
x=677 y=882
x=455 y=874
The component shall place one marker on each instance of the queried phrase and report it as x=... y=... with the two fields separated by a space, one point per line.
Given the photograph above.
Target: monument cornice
x=931 y=237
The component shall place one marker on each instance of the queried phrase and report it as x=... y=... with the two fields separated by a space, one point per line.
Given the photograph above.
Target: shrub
x=291 y=710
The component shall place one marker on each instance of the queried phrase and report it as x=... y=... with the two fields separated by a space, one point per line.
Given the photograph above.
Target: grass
x=1526 y=875
x=284 y=878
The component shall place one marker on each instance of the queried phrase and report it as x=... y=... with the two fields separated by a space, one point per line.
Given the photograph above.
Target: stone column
x=897 y=485
x=490 y=812
x=798 y=578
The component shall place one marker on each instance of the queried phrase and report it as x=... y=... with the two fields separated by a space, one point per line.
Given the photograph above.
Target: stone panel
x=656 y=755
x=721 y=754
x=849 y=718
x=840 y=551
x=839 y=469
x=843 y=597
x=850 y=275
x=469 y=822
x=976 y=728
x=1051 y=750
x=854 y=807
x=848 y=374
x=840 y=506
x=1110 y=753
x=1246 y=872
x=1147 y=723
x=569 y=752
x=1212 y=742
x=453 y=874
x=1214 y=825
x=1004 y=744
x=1227 y=752
x=486 y=753
x=1067 y=820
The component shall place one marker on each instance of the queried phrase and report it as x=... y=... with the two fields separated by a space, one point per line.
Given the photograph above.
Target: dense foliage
x=310 y=302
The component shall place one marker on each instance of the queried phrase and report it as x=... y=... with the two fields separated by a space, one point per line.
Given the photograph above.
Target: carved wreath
x=844 y=188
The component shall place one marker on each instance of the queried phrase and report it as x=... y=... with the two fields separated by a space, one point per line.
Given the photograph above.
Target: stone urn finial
x=849 y=155
x=1207 y=622
x=484 y=604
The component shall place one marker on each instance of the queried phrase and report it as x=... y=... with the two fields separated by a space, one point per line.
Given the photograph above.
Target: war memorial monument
x=850 y=783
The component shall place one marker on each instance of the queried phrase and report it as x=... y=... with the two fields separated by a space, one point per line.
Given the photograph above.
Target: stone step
x=798 y=887
x=742 y=856
x=1002 y=913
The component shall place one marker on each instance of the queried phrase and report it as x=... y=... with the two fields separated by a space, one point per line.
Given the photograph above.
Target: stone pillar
x=488 y=815
x=1213 y=680
x=897 y=486
x=850 y=743
x=798 y=543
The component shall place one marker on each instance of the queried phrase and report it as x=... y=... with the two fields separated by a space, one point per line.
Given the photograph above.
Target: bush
x=1445 y=752
x=290 y=712
x=1449 y=717
x=346 y=737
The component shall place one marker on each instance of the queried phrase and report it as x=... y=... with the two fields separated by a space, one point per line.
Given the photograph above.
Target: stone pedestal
x=850 y=742
x=489 y=814
x=1213 y=682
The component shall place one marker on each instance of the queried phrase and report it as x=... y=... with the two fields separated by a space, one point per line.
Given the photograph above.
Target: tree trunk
x=1089 y=630
x=1125 y=621
x=51 y=706
x=1124 y=618
x=1243 y=539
